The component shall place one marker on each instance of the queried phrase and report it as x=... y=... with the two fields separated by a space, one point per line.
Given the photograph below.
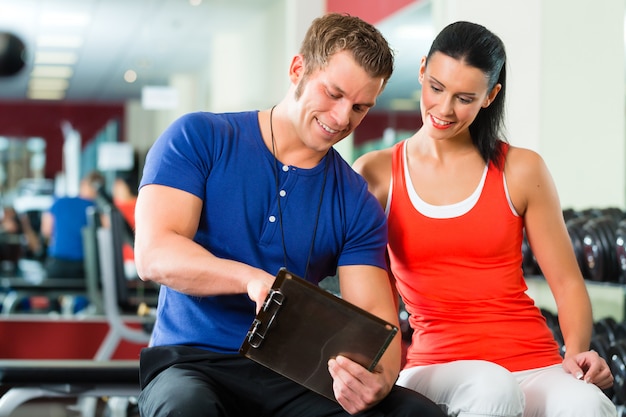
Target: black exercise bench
x=28 y=379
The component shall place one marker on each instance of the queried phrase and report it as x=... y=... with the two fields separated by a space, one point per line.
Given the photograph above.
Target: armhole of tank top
x=389 y=193
x=508 y=197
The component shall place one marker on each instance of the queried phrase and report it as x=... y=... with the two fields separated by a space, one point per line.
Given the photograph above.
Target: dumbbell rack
x=609 y=332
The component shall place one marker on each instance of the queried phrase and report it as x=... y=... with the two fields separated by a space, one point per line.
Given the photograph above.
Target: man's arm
x=166 y=222
x=355 y=388
x=47 y=224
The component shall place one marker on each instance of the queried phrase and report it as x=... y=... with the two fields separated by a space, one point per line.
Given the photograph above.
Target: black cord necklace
x=280 y=210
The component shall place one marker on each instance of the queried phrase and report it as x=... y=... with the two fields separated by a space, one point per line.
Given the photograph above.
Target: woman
x=458 y=198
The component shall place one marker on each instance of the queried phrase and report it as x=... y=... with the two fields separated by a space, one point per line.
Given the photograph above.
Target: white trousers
x=480 y=388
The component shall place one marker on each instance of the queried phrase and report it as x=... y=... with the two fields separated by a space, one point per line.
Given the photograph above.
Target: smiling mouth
x=439 y=122
x=326 y=128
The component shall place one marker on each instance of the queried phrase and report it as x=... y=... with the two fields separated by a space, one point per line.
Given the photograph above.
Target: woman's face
x=452 y=95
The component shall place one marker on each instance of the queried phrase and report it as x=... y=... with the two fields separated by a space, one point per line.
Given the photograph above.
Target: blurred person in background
x=62 y=227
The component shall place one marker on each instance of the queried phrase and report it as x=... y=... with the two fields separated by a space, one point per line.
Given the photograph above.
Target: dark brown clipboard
x=301 y=326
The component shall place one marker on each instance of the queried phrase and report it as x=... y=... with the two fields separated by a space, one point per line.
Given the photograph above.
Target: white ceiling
x=158 y=38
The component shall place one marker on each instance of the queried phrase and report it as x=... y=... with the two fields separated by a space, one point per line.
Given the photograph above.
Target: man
x=228 y=199
x=62 y=226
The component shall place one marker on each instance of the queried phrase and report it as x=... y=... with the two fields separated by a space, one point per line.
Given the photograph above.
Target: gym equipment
x=620 y=250
x=598 y=243
x=83 y=379
x=12 y=54
x=598 y=238
x=30 y=379
x=616 y=357
x=609 y=341
x=574 y=228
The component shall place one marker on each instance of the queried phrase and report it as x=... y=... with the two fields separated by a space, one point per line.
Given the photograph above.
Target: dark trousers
x=183 y=381
x=64 y=268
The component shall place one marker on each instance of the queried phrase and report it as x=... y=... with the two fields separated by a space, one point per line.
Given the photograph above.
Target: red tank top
x=459 y=271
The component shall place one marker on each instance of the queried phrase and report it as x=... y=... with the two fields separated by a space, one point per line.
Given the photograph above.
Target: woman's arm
x=534 y=196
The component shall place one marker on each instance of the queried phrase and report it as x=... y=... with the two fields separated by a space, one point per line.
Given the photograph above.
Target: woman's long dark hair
x=480 y=48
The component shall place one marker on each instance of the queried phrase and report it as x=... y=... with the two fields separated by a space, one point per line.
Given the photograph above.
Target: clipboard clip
x=259 y=328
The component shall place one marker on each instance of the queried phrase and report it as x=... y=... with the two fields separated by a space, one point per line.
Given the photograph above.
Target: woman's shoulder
x=373 y=162
x=375 y=166
x=525 y=170
x=523 y=160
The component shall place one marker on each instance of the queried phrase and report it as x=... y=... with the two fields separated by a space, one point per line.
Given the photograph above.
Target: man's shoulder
x=345 y=171
x=69 y=202
x=218 y=118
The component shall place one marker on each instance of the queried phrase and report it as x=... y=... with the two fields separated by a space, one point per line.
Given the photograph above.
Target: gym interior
x=70 y=346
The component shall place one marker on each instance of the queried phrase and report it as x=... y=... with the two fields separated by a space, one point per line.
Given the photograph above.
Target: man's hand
x=356 y=389
x=590 y=367
x=258 y=290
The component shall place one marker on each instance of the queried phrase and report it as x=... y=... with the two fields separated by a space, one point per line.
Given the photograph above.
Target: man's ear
x=296 y=69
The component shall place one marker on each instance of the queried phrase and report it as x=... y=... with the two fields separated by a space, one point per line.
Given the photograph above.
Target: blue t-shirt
x=70 y=216
x=222 y=159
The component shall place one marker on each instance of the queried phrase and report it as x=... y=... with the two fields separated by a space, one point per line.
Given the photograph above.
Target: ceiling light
x=62 y=58
x=65 y=20
x=56 y=71
x=45 y=94
x=130 y=76
x=48 y=84
x=156 y=97
x=59 y=41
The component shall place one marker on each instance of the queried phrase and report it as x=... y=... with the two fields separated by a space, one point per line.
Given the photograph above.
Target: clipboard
x=301 y=326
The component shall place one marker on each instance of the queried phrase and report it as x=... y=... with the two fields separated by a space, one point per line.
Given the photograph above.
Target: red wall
x=372 y=11
x=51 y=338
x=44 y=120
x=374 y=124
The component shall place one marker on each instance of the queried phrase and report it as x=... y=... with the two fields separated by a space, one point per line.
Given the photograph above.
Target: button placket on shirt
x=282 y=193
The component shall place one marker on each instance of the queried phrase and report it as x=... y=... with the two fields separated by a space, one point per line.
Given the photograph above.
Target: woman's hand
x=590 y=367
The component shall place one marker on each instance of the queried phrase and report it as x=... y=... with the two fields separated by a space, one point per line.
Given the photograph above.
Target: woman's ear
x=492 y=95
x=296 y=69
x=422 y=70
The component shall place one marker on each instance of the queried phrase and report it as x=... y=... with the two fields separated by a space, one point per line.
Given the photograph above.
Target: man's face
x=332 y=101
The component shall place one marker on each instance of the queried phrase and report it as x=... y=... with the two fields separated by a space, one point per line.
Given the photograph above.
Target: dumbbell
x=607 y=326
x=616 y=356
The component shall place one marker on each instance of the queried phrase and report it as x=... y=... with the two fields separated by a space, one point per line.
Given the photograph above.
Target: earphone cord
x=280 y=211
